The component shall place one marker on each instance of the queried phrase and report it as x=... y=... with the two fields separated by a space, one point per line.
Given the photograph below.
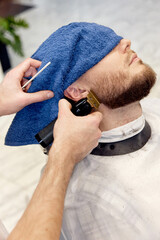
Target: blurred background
x=34 y=21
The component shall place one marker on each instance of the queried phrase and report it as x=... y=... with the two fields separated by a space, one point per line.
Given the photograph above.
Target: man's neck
x=113 y=118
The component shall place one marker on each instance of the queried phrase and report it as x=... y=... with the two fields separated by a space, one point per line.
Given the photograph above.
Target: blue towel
x=72 y=50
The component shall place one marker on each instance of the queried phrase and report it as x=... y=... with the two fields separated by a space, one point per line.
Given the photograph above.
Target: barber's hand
x=74 y=135
x=12 y=97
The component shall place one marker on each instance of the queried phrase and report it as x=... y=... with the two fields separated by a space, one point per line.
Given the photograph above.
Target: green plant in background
x=8 y=33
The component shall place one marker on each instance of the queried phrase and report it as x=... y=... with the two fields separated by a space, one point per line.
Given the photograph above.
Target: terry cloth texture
x=72 y=50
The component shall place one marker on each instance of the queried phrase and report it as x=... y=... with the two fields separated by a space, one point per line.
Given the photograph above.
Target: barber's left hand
x=12 y=97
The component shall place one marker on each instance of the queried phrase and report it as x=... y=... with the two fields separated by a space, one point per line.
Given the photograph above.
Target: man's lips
x=134 y=58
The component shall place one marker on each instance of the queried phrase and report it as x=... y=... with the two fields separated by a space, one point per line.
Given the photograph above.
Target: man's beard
x=119 y=96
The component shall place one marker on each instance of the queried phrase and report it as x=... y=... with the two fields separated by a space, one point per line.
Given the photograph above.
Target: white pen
x=35 y=75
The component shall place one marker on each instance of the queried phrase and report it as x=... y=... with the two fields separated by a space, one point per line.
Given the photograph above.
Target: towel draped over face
x=72 y=50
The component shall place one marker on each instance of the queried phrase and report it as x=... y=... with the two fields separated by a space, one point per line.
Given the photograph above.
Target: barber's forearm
x=43 y=216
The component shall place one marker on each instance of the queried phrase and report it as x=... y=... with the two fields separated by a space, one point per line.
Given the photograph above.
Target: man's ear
x=75 y=93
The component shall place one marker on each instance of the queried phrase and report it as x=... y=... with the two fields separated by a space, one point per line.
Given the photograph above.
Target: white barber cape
x=117 y=197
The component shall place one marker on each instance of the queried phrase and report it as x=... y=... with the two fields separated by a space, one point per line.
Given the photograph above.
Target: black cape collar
x=126 y=146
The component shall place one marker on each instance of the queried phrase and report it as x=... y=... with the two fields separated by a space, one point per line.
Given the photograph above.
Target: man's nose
x=124 y=45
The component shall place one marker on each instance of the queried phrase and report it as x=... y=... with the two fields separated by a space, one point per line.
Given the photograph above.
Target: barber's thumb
x=64 y=106
x=39 y=96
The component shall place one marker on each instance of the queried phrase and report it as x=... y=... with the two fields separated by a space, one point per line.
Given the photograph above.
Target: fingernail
x=50 y=94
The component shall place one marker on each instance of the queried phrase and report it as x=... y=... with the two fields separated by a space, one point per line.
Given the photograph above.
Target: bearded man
x=114 y=191
x=110 y=195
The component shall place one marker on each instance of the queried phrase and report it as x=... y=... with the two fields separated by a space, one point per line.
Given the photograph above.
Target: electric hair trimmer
x=81 y=108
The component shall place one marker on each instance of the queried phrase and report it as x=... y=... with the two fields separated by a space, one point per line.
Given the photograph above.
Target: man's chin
x=140 y=88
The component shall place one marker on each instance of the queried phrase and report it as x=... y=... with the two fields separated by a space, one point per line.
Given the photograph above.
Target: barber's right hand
x=74 y=135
